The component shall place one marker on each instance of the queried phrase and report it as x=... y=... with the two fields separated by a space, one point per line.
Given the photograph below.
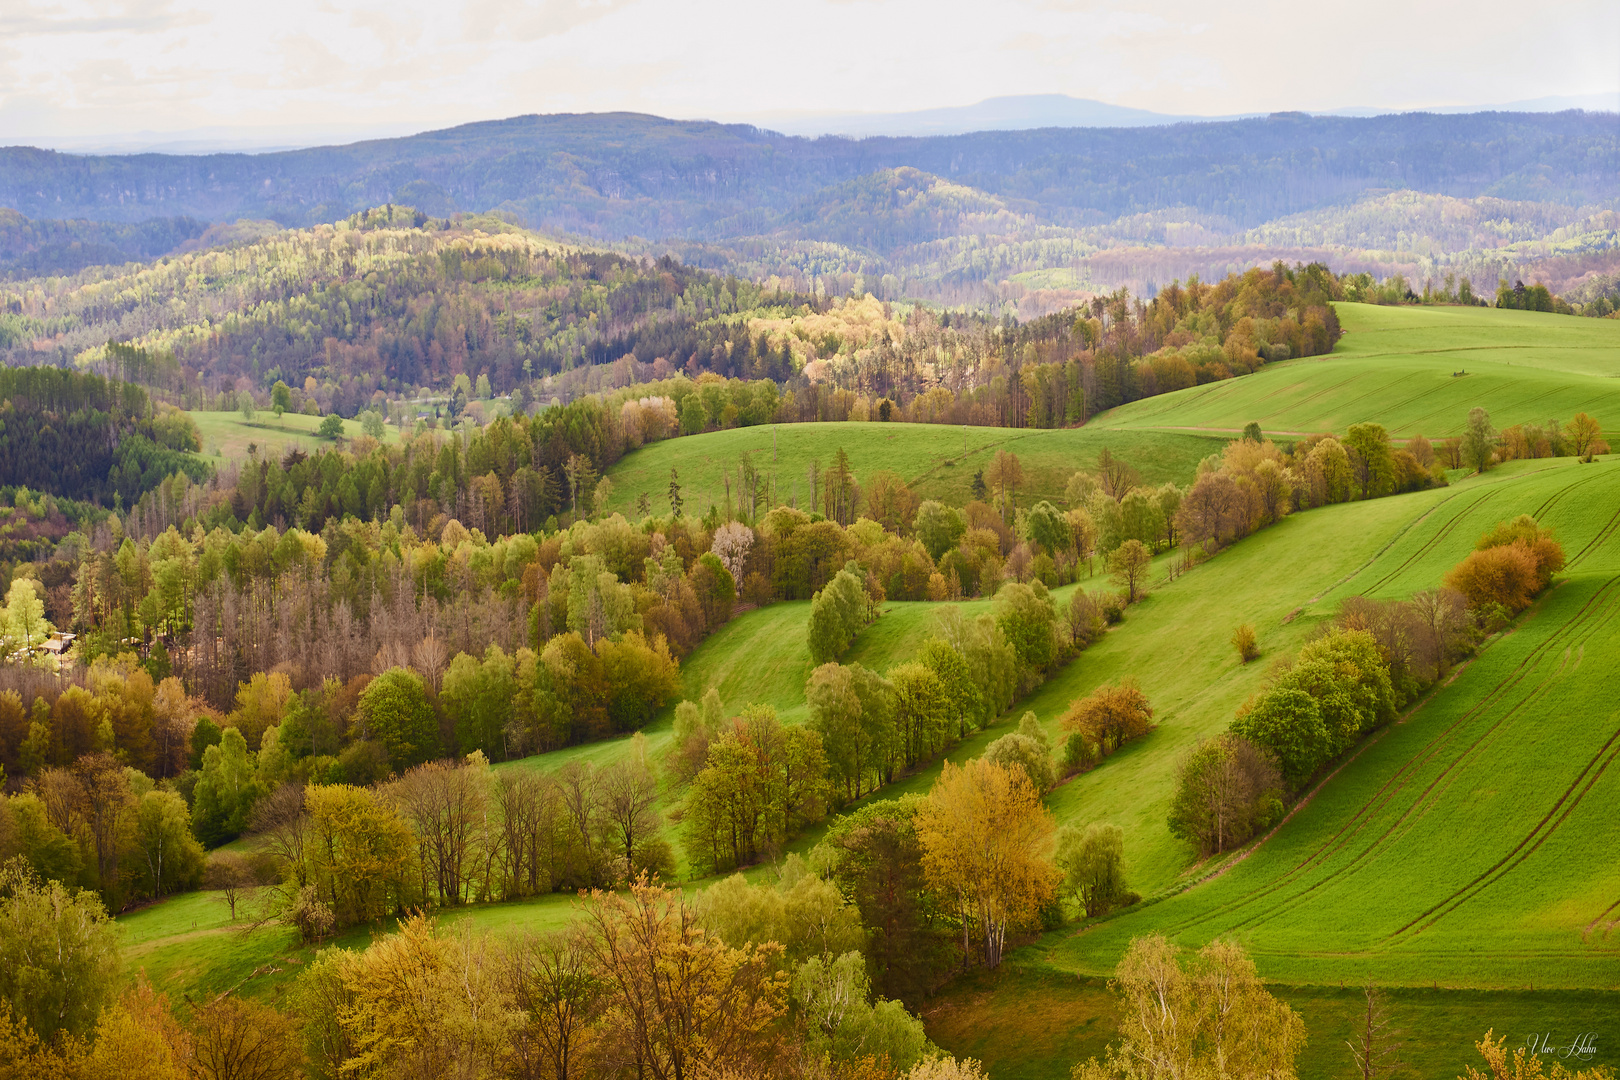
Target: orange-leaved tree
x=1510 y=565
x=1111 y=715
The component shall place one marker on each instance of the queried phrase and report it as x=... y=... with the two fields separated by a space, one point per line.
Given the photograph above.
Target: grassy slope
x=1395 y=366
x=931 y=457
x=229 y=434
x=1461 y=844
x=1034 y=1024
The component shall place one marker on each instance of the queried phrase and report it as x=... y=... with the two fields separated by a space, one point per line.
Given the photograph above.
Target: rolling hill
x=938 y=461
x=1460 y=855
x=1417 y=371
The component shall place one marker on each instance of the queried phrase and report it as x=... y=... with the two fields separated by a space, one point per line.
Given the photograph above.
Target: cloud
x=90 y=66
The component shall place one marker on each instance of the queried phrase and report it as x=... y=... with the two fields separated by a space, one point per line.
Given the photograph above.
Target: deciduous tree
x=986 y=842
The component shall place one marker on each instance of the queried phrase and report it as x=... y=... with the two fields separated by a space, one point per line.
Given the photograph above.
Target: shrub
x=1113 y=608
x=1338 y=689
x=1243 y=640
x=1508 y=576
x=1079 y=753
x=1087 y=622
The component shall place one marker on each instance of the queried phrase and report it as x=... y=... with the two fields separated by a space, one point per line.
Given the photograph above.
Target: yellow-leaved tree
x=1201 y=1015
x=987 y=844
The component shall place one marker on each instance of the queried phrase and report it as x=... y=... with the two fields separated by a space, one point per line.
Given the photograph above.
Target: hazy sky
x=80 y=67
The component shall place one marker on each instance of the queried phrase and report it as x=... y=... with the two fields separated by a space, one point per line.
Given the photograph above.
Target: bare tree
x=628 y=791
x=531 y=813
x=552 y=983
x=1376 y=1046
x=446 y=804
x=429 y=658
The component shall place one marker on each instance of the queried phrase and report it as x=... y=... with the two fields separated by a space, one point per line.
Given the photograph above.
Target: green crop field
x=937 y=460
x=1399 y=366
x=227 y=435
x=1471 y=843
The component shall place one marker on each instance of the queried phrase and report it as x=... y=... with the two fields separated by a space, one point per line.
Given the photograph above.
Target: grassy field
x=937 y=460
x=1398 y=366
x=226 y=435
x=1033 y=1023
x=1470 y=844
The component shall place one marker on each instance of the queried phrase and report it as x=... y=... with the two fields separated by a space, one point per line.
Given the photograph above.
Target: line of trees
x=1377 y=656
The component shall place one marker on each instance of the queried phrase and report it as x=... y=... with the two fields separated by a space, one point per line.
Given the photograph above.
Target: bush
x=1087 y=621
x=1507 y=576
x=1079 y=753
x=1243 y=640
x=1509 y=566
x=1338 y=689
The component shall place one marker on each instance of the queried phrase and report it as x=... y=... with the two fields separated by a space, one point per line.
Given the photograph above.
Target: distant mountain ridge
x=615 y=175
x=959 y=219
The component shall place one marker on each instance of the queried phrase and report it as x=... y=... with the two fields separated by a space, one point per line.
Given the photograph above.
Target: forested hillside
x=390 y=306
x=961 y=219
x=85 y=437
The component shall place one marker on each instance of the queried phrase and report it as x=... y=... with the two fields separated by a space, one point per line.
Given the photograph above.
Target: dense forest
x=615 y=175
x=89 y=438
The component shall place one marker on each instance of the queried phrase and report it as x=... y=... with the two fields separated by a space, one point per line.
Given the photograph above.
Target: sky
x=307 y=68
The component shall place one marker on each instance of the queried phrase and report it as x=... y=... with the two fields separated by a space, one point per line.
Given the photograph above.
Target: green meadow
x=937 y=460
x=1417 y=371
x=228 y=435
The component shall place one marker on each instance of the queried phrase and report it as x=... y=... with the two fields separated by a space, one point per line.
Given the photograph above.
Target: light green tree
x=395 y=710
x=170 y=857
x=1093 y=865
x=25 y=622
x=226 y=790
x=59 y=957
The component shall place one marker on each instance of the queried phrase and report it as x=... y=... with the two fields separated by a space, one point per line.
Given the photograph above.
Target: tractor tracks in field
x=1578 y=788
x=1597 y=605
